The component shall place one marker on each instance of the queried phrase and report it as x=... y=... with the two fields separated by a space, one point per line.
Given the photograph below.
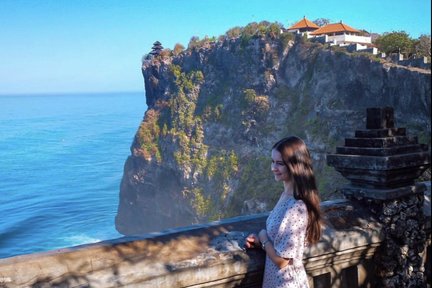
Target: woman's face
x=278 y=167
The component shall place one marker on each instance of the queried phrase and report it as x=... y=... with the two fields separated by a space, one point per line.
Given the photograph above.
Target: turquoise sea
x=61 y=163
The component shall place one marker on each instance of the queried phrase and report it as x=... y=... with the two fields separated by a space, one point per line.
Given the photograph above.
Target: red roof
x=304 y=23
x=334 y=28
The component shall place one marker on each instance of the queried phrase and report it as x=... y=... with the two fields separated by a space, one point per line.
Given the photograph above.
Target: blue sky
x=69 y=46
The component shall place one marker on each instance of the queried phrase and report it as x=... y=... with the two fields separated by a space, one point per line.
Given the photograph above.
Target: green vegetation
x=395 y=42
x=422 y=46
x=234 y=32
x=201 y=203
x=255 y=182
x=370 y=56
x=148 y=136
x=423 y=135
x=285 y=38
x=221 y=168
x=178 y=48
x=222 y=165
x=177 y=119
x=401 y=42
x=196 y=43
x=321 y=21
x=249 y=96
x=250 y=31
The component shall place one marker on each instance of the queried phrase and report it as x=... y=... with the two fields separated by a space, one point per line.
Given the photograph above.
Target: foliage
x=251 y=30
x=261 y=29
x=274 y=29
x=186 y=128
x=178 y=48
x=165 y=53
x=193 y=42
x=249 y=95
x=285 y=38
x=254 y=183
x=200 y=202
x=395 y=42
x=148 y=136
x=423 y=46
x=262 y=106
x=234 y=32
x=221 y=167
x=364 y=33
x=321 y=21
x=186 y=82
x=196 y=43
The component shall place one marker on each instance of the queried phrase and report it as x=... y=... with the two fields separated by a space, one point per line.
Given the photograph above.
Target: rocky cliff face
x=202 y=150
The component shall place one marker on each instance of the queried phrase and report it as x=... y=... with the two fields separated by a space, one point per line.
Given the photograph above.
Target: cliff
x=202 y=150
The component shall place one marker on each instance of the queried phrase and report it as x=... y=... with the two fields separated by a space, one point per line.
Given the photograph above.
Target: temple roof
x=304 y=23
x=334 y=28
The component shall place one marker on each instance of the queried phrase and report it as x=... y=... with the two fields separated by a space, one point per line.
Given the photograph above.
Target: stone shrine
x=382 y=163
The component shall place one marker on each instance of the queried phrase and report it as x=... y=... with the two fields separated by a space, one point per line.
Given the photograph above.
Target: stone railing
x=374 y=238
x=208 y=255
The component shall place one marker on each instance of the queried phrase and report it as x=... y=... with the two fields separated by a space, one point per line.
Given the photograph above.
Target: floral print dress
x=286 y=229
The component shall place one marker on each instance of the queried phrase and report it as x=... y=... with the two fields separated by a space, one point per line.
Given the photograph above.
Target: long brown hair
x=296 y=158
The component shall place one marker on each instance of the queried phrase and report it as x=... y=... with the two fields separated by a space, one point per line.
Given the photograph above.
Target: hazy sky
x=51 y=46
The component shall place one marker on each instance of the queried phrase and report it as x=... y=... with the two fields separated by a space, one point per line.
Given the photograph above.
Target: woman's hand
x=252 y=241
x=262 y=236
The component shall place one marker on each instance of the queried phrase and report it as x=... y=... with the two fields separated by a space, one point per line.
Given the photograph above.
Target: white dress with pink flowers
x=286 y=229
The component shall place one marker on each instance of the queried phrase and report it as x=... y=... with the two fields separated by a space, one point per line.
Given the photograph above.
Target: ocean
x=61 y=163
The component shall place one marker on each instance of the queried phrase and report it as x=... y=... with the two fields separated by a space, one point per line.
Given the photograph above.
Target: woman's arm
x=271 y=252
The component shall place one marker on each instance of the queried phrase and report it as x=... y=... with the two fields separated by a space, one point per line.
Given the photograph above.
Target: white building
x=341 y=34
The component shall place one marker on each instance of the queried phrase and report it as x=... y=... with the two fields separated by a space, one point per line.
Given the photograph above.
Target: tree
x=194 y=42
x=178 y=48
x=423 y=46
x=234 y=32
x=395 y=42
x=363 y=32
x=321 y=21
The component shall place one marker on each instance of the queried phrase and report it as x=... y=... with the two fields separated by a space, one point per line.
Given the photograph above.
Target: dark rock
x=379 y=118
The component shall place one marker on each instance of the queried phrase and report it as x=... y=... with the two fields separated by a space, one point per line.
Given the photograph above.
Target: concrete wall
x=349 y=38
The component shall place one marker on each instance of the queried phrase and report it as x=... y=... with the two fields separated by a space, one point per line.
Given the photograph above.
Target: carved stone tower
x=382 y=163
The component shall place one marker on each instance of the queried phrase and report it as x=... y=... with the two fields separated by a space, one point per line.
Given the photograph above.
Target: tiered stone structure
x=382 y=163
x=156 y=49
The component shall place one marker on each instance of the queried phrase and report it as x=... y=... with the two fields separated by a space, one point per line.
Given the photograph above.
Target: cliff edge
x=202 y=150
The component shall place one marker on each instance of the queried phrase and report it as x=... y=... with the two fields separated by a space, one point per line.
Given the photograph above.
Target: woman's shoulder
x=298 y=203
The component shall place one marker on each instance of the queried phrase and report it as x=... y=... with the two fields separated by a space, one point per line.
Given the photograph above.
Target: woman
x=294 y=221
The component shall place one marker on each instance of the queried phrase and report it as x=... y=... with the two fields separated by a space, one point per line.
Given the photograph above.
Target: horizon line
x=68 y=93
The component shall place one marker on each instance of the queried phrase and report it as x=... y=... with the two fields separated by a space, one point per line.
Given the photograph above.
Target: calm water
x=61 y=162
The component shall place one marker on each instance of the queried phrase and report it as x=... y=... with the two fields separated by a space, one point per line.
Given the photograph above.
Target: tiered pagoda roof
x=334 y=28
x=304 y=24
x=157 y=48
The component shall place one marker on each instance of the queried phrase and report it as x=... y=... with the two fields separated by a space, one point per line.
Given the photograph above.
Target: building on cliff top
x=303 y=26
x=341 y=34
x=157 y=48
x=335 y=33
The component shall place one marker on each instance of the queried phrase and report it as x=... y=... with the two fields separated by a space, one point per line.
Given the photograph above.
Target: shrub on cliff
x=196 y=43
x=423 y=46
x=395 y=42
x=178 y=48
x=234 y=32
